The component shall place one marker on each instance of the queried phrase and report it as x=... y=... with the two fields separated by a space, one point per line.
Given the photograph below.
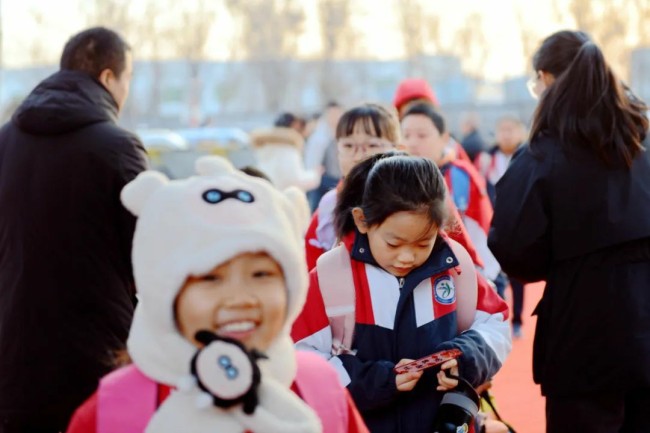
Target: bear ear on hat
x=135 y=194
x=212 y=165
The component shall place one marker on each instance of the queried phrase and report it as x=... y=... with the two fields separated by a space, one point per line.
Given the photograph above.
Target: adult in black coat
x=66 y=285
x=574 y=209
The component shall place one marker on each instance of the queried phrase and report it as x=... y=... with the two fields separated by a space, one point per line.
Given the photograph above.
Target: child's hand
x=446 y=383
x=407 y=381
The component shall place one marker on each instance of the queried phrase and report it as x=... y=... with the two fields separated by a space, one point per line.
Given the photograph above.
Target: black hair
x=429 y=110
x=375 y=119
x=94 y=50
x=255 y=172
x=390 y=182
x=587 y=105
x=287 y=119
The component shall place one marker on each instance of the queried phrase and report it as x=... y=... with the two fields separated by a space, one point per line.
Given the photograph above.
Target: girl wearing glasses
x=362 y=131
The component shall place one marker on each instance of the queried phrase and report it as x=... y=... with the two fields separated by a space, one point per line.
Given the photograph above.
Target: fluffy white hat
x=187 y=227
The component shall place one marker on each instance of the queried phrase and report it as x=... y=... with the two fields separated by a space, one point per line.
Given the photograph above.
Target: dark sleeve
x=488 y=341
x=372 y=383
x=84 y=419
x=131 y=161
x=520 y=232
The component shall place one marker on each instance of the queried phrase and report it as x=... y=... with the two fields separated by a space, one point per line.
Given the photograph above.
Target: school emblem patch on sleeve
x=445 y=291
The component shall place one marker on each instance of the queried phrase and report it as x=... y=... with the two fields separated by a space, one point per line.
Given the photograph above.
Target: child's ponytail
x=351 y=195
x=388 y=183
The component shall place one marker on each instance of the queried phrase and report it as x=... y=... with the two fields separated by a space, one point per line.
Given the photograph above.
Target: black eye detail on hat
x=214 y=196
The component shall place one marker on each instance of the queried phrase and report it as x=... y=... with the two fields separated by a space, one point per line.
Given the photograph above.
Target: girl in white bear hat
x=220 y=272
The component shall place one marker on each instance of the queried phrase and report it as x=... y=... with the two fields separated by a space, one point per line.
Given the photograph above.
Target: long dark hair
x=587 y=104
x=387 y=183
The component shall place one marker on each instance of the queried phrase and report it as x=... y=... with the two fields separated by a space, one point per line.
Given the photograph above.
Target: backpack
x=127 y=399
x=336 y=282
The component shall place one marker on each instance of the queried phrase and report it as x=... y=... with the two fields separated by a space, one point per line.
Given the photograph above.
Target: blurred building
x=178 y=93
x=640 y=73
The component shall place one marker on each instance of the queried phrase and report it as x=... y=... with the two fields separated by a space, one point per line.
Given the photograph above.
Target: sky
x=39 y=28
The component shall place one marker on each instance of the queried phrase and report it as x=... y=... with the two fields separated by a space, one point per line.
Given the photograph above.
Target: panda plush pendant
x=226 y=370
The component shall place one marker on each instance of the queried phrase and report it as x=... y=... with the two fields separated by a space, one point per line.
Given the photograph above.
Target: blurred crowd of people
x=414 y=239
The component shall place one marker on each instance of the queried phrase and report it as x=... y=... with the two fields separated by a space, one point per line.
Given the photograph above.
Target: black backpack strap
x=485 y=395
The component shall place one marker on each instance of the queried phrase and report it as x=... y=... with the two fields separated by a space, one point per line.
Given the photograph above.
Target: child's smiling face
x=244 y=298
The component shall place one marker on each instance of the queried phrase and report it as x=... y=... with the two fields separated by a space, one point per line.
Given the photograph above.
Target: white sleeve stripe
x=476 y=233
x=495 y=330
x=319 y=342
x=344 y=377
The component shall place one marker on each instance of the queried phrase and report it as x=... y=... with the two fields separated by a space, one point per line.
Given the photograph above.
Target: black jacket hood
x=64 y=102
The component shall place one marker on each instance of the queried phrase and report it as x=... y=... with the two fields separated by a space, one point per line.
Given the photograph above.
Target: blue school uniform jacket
x=399 y=318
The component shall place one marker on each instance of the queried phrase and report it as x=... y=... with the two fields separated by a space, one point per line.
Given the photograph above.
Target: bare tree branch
x=38 y=54
x=338 y=42
x=529 y=40
x=471 y=44
x=269 y=32
x=411 y=24
x=114 y=14
x=607 y=23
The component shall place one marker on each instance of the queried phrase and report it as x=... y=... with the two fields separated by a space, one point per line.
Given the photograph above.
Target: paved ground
x=519 y=399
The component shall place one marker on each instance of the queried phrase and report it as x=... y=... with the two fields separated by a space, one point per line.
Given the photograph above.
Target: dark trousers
x=599 y=413
x=517 y=300
x=500 y=283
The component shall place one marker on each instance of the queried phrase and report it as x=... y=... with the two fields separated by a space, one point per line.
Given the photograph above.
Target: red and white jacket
x=398 y=318
x=468 y=191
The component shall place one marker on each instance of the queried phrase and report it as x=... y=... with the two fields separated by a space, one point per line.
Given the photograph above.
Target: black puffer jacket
x=66 y=285
x=563 y=216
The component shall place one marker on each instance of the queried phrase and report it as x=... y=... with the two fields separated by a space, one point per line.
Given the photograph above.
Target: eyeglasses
x=349 y=148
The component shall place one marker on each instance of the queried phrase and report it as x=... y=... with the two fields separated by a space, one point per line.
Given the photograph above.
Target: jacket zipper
x=401 y=282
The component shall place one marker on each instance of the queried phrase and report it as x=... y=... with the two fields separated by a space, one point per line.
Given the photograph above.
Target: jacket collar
x=441 y=258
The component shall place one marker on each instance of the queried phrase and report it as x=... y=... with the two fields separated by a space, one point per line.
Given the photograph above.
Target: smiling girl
x=220 y=271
